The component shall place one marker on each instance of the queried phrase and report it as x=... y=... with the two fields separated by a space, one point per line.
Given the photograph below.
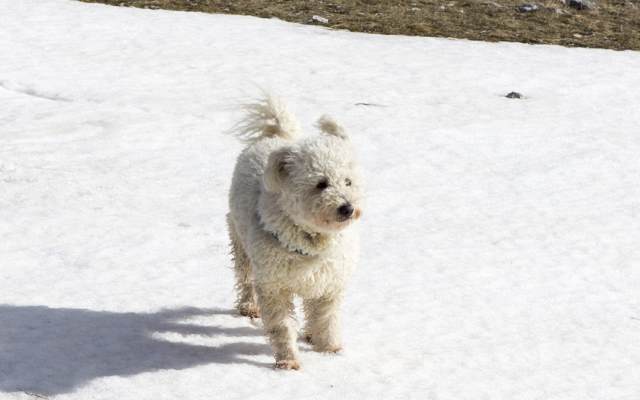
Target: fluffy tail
x=268 y=117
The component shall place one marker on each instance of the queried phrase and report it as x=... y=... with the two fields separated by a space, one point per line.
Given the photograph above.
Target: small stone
x=527 y=7
x=514 y=95
x=579 y=4
x=577 y=35
x=319 y=19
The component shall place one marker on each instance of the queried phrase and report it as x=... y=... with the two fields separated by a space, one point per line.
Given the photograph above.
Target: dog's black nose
x=345 y=210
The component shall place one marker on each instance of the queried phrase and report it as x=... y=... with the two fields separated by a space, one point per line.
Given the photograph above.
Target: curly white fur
x=267 y=117
x=292 y=207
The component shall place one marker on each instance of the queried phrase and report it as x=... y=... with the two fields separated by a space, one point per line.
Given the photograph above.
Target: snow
x=500 y=237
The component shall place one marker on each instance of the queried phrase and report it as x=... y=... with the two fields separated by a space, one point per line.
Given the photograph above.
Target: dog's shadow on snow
x=54 y=350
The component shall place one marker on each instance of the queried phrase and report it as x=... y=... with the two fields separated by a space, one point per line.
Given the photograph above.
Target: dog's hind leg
x=246 y=302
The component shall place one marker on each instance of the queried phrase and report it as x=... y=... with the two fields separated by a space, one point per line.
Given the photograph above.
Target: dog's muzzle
x=345 y=212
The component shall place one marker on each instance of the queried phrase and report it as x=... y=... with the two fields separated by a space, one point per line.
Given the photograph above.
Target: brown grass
x=613 y=24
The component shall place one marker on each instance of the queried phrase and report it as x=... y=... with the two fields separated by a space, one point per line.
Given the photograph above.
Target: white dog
x=292 y=203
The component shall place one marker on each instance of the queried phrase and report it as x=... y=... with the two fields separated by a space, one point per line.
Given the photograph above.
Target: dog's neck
x=291 y=236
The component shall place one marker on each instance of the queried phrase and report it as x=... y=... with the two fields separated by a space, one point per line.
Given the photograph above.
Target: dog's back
x=266 y=126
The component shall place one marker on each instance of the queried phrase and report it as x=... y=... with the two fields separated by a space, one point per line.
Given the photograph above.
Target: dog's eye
x=347 y=182
x=322 y=185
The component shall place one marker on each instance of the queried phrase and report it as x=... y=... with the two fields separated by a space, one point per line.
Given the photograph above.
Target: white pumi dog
x=292 y=203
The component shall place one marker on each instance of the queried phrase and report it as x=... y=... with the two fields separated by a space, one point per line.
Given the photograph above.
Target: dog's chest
x=317 y=277
x=276 y=268
x=307 y=276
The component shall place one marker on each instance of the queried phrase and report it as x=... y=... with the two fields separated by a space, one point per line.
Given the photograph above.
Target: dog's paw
x=288 y=364
x=335 y=348
x=249 y=309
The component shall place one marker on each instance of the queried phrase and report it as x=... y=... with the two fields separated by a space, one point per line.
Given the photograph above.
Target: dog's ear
x=328 y=125
x=278 y=168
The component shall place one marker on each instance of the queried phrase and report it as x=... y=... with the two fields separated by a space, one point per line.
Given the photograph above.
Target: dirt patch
x=611 y=24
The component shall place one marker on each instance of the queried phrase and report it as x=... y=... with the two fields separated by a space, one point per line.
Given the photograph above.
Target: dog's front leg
x=277 y=310
x=323 y=323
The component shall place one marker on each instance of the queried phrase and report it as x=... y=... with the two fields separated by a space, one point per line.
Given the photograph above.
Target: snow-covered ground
x=501 y=237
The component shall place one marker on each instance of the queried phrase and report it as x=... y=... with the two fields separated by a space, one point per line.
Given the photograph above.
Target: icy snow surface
x=501 y=236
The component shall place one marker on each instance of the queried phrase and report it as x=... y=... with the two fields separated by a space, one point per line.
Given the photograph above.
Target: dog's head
x=317 y=180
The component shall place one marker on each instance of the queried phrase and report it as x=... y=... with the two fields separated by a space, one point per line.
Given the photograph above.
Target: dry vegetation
x=613 y=24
